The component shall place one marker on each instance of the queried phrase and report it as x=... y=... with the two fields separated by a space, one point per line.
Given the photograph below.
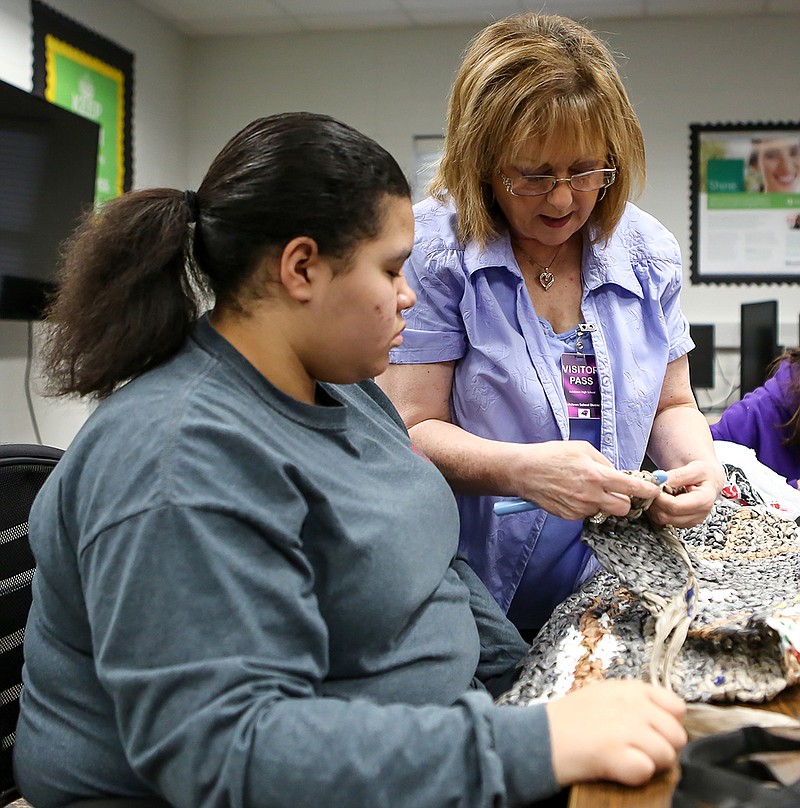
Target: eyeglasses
x=540 y=184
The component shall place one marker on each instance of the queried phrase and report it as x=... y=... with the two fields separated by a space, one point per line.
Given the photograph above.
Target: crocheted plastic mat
x=712 y=612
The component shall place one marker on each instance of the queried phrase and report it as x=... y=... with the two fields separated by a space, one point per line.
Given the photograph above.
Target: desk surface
x=658 y=792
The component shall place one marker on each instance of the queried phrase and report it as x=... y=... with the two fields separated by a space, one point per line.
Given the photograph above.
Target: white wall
x=390 y=84
x=161 y=65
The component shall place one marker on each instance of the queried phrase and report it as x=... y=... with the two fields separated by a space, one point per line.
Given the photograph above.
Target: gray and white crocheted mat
x=744 y=614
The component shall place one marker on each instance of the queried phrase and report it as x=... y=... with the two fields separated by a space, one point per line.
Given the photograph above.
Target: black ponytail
x=128 y=293
x=136 y=274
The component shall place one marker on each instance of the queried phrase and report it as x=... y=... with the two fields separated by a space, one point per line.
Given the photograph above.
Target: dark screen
x=701 y=358
x=758 y=343
x=48 y=165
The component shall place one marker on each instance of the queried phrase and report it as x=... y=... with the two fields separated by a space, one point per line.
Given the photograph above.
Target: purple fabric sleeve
x=757 y=421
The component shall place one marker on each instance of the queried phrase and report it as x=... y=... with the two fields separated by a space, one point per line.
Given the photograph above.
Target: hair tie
x=190 y=200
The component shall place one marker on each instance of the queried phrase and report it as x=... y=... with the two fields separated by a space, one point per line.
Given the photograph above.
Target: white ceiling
x=215 y=17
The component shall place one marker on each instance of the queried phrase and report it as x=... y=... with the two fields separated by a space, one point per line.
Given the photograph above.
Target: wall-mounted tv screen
x=48 y=165
x=758 y=343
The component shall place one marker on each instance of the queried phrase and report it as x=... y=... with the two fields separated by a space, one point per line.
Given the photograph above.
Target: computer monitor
x=758 y=343
x=701 y=358
x=48 y=165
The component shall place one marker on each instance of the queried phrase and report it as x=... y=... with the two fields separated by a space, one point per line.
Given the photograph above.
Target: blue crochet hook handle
x=507 y=506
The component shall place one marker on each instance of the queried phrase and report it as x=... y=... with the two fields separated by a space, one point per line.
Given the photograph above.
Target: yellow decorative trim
x=54 y=47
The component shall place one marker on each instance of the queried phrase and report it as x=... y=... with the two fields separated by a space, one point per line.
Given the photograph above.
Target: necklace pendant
x=547 y=279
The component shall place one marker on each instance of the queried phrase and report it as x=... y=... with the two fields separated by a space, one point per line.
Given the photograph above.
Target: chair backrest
x=23 y=470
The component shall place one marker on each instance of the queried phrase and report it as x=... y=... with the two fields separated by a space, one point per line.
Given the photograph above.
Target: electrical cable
x=722 y=404
x=28 y=395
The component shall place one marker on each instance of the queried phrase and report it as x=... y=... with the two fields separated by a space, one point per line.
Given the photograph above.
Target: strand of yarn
x=709 y=719
x=672 y=612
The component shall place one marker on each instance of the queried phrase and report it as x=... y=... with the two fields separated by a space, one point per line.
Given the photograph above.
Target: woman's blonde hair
x=541 y=76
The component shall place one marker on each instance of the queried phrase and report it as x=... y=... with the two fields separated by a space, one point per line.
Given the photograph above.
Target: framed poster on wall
x=745 y=203
x=79 y=70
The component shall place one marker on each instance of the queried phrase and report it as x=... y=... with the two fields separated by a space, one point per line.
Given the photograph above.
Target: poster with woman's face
x=775 y=163
x=746 y=203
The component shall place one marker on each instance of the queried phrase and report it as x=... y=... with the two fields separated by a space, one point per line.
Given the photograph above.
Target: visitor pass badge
x=581 y=387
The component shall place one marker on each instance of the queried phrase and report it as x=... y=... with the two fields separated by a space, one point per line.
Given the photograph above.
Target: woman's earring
x=602 y=194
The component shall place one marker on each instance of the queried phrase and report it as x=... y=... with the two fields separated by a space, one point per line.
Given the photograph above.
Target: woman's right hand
x=621 y=730
x=573 y=480
x=570 y=479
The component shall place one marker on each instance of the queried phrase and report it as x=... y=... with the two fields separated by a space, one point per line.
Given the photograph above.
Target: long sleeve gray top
x=244 y=600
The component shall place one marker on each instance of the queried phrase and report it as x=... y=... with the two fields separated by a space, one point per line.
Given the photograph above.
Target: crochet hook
x=507 y=506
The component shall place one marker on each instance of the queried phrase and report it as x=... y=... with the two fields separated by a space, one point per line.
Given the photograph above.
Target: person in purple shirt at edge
x=768 y=419
x=547 y=350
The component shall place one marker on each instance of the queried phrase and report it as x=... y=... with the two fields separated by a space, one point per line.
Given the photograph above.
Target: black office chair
x=23 y=470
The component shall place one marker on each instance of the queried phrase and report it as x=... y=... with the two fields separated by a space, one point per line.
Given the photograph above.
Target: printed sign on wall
x=746 y=203
x=81 y=71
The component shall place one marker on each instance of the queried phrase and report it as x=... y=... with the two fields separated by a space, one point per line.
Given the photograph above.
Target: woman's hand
x=680 y=442
x=697 y=485
x=621 y=730
x=573 y=480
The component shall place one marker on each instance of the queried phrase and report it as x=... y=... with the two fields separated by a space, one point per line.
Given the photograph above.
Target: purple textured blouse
x=756 y=421
x=473 y=307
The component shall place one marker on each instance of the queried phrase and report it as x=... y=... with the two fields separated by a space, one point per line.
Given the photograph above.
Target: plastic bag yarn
x=713 y=612
x=740 y=462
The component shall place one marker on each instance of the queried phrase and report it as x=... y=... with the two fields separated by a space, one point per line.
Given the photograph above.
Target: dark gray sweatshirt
x=244 y=600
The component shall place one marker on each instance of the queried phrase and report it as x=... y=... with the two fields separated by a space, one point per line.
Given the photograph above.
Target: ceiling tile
x=491 y=7
x=462 y=16
x=244 y=26
x=209 y=17
x=580 y=9
x=326 y=8
x=670 y=8
x=354 y=20
x=208 y=9
x=784 y=6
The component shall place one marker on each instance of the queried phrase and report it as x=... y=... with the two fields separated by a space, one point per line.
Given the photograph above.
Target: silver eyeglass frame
x=607 y=172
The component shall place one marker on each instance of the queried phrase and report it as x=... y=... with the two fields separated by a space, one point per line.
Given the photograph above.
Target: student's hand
x=573 y=480
x=697 y=485
x=621 y=730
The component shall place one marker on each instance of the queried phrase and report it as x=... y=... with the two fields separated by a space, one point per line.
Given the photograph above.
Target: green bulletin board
x=85 y=73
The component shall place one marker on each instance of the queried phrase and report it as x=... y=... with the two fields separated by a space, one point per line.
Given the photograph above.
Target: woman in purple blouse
x=547 y=350
x=768 y=419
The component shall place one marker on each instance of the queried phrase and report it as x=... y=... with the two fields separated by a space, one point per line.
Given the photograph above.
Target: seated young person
x=247 y=590
x=767 y=419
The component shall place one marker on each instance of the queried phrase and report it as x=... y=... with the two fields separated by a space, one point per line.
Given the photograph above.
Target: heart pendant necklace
x=546 y=277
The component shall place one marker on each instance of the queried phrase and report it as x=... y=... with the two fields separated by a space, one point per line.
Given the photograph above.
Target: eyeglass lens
x=534 y=185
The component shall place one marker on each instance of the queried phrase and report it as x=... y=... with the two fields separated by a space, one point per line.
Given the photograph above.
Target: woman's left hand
x=697 y=485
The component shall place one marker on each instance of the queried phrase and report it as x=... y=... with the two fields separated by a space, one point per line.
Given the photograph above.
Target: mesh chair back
x=23 y=470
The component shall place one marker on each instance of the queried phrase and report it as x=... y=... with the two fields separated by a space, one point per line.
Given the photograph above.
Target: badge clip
x=584 y=328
